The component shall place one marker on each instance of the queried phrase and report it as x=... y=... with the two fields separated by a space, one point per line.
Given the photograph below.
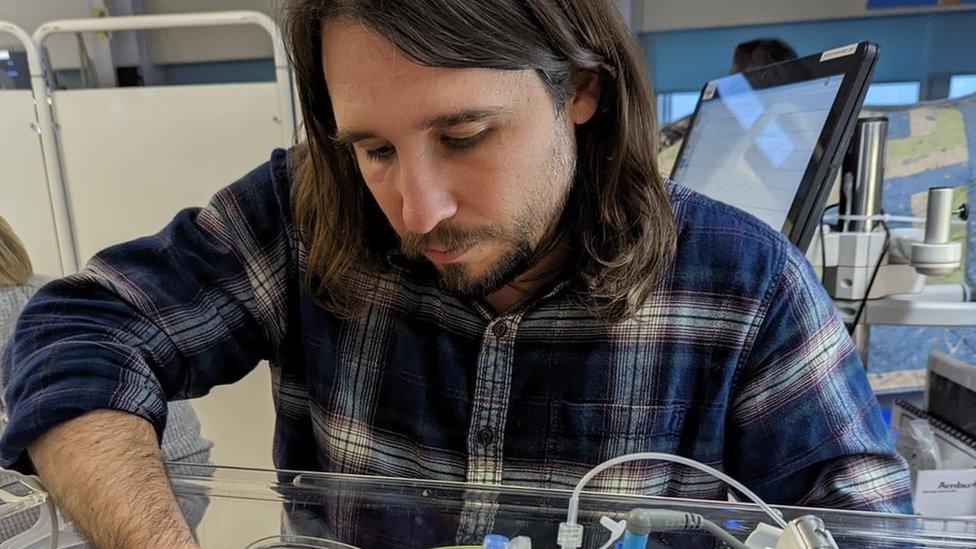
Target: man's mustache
x=448 y=238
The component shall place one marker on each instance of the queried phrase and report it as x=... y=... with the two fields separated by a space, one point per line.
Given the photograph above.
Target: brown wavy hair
x=617 y=219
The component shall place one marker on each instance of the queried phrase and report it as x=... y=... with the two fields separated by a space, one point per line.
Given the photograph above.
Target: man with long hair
x=470 y=270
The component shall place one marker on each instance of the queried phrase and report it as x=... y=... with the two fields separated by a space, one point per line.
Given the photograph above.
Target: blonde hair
x=15 y=265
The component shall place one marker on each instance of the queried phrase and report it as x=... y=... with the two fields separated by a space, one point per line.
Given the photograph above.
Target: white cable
x=847 y=186
x=573 y=510
x=886 y=218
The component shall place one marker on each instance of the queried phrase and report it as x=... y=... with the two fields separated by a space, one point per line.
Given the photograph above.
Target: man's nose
x=425 y=195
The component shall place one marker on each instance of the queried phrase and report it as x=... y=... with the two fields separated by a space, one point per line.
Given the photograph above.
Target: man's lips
x=442 y=257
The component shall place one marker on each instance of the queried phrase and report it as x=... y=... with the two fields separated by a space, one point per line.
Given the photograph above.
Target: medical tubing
x=721 y=534
x=573 y=511
x=666 y=520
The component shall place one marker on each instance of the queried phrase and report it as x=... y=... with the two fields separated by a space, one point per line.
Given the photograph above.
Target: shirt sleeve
x=166 y=316
x=805 y=427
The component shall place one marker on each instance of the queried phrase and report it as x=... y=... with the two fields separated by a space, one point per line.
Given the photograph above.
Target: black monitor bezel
x=857 y=67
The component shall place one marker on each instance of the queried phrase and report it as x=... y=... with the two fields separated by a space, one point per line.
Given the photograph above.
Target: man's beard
x=453 y=276
x=520 y=252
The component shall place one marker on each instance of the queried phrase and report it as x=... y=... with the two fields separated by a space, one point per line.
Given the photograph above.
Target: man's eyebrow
x=462 y=117
x=345 y=138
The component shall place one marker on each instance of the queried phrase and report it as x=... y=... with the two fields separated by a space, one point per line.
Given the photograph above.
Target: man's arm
x=93 y=463
x=162 y=317
x=804 y=426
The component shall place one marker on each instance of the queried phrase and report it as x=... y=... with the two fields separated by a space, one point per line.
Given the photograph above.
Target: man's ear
x=582 y=105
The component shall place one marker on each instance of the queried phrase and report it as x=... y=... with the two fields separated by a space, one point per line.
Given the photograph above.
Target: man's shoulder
x=261 y=199
x=723 y=249
x=273 y=177
x=700 y=217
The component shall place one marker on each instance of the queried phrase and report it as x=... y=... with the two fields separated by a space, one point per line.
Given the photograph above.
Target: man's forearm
x=105 y=472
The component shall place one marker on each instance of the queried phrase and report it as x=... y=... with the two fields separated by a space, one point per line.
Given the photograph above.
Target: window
x=683 y=104
x=962 y=84
x=893 y=93
x=675 y=106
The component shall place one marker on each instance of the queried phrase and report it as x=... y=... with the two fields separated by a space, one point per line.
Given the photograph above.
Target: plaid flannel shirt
x=737 y=359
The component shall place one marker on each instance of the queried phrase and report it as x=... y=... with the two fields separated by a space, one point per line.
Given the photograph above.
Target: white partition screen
x=24 y=199
x=133 y=157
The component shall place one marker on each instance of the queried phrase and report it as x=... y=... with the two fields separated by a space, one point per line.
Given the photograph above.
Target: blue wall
x=913 y=47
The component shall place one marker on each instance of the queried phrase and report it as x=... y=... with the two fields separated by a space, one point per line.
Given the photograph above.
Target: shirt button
x=484 y=436
x=500 y=329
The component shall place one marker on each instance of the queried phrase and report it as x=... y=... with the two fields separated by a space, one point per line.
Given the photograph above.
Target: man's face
x=471 y=167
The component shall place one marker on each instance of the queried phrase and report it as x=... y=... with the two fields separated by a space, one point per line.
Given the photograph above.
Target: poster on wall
x=888 y=4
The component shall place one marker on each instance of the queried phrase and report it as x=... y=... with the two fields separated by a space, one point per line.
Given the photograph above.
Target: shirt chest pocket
x=592 y=432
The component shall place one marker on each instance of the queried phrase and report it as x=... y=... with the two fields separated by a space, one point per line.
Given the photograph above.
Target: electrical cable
x=721 y=534
x=847 y=190
x=886 y=217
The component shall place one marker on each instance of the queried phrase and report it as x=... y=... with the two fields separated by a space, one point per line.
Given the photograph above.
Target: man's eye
x=460 y=143
x=380 y=153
